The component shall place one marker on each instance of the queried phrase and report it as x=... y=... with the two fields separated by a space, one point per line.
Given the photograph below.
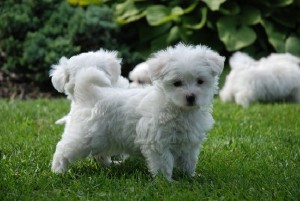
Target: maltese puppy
x=274 y=78
x=164 y=123
x=64 y=73
x=140 y=75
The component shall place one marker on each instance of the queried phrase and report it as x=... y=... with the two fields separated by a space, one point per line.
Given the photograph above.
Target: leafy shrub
x=35 y=34
x=257 y=27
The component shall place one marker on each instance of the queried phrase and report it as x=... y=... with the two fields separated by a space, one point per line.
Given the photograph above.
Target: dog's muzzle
x=191 y=99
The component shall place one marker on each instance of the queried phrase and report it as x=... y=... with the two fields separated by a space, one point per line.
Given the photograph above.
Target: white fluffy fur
x=64 y=73
x=274 y=78
x=164 y=123
x=140 y=75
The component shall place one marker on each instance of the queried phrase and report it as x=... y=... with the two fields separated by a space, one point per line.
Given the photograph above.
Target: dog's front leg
x=187 y=162
x=68 y=152
x=160 y=161
x=59 y=162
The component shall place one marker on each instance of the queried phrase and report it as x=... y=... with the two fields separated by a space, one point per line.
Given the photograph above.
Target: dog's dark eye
x=200 y=81
x=177 y=84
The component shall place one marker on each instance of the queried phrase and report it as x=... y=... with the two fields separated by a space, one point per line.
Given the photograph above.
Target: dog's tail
x=87 y=86
x=59 y=75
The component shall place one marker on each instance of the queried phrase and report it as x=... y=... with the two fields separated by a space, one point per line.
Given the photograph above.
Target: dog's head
x=186 y=74
x=140 y=75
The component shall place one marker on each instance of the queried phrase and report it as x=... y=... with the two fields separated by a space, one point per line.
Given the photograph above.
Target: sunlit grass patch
x=250 y=154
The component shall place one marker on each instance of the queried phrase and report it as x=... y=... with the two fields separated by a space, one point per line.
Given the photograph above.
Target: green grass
x=251 y=154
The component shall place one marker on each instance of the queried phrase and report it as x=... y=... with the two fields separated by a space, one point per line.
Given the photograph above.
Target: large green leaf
x=230 y=8
x=277 y=3
x=275 y=36
x=147 y=34
x=292 y=45
x=214 y=5
x=190 y=8
x=185 y=34
x=174 y=35
x=159 y=14
x=189 y=21
x=85 y=2
x=128 y=12
x=282 y=3
x=233 y=34
x=249 y=15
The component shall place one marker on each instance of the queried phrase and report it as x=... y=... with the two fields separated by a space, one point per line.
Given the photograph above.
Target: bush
x=257 y=27
x=35 y=34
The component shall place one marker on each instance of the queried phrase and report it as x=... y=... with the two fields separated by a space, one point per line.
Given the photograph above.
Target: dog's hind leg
x=67 y=152
x=226 y=95
x=59 y=162
x=243 y=98
x=296 y=95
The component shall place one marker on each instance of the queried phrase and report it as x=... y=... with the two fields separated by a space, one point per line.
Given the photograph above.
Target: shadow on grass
x=132 y=168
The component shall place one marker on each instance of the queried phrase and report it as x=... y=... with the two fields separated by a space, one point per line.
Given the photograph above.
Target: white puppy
x=140 y=75
x=274 y=78
x=164 y=123
x=64 y=73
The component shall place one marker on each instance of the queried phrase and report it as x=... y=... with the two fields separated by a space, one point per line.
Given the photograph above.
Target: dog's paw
x=192 y=174
x=59 y=166
x=242 y=99
x=103 y=160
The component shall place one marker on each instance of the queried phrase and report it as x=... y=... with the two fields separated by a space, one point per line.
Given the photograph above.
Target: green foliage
x=35 y=34
x=257 y=27
x=250 y=154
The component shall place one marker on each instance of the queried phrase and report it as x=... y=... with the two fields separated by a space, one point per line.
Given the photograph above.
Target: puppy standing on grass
x=165 y=123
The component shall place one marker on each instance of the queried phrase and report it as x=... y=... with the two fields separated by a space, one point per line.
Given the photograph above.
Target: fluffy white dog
x=164 y=123
x=274 y=78
x=64 y=73
x=140 y=75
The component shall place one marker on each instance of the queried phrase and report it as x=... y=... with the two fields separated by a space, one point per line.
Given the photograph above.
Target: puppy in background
x=140 y=75
x=164 y=123
x=63 y=75
x=273 y=78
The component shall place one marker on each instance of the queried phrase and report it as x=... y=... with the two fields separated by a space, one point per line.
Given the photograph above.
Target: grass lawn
x=251 y=154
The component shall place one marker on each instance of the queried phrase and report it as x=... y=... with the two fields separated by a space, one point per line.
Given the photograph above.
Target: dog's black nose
x=190 y=98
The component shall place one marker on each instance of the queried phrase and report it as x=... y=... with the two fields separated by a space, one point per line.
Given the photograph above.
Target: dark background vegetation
x=35 y=34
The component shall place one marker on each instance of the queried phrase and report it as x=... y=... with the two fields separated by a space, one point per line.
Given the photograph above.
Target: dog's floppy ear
x=156 y=65
x=110 y=63
x=216 y=62
x=60 y=75
x=114 y=69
